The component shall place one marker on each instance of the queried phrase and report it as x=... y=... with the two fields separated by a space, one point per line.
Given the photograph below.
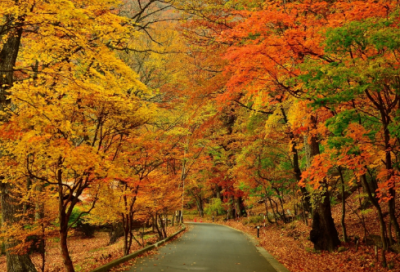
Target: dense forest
x=120 y=114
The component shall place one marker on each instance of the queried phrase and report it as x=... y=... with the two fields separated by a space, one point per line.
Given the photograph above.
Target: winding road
x=209 y=247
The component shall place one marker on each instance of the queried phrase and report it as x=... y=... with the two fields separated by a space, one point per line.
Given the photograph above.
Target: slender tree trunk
x=160 y=234
x=362 y=216
x=68 y=265
x=296 y=167
x=343 y=206
x=389 y=232
x=392 y=192
x=162 y=226
x=231 y=209
x=63 y=218
x=39 y=214
x=273 y=211
x=266 y=211
x=280 y=202
x=380 y=217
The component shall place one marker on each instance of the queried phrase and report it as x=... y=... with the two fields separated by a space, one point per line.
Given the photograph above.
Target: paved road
x=206 y=247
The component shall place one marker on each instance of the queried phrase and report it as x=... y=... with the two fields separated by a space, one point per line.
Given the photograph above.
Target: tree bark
x=323 y=234
x=296 y=167
x=10 y=206
x=380 y=217
x=116 y=231
x=199 y=204
x=343 y=207
x=273 y=211
x=68 y=265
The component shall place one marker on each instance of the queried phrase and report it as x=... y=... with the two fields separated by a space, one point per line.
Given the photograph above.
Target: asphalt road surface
x=206 y=247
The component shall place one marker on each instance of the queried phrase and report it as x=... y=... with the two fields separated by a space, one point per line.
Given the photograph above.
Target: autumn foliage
x=118 y=115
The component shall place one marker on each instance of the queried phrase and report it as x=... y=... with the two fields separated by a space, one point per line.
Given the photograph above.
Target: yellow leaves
x=274 y=120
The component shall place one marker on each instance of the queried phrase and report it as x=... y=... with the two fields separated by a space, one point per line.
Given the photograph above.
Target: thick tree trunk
x=323 y=234
x=10 y=208
x=240 y=209
x=10 y=205
x=199 y=204
x=218 y=194
x=116 y=231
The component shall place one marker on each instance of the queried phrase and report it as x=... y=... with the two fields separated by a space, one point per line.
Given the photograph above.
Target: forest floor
x=86 y=253
x=289 y=243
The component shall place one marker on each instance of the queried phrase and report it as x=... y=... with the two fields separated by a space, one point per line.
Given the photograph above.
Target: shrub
x=215 y=207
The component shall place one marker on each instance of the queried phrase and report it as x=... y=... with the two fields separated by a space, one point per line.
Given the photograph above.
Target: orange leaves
x=10 y=131
x=318 y=172
x=390 y=180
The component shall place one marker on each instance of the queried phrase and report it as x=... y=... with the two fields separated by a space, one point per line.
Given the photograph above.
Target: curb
x=273 y=262
x=110 y=265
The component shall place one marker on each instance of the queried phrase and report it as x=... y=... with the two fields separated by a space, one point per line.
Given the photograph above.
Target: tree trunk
x=155 y=224
x=343 y=206
x=323 y=234
x=281 y=202
x=380 y=217
x=273 y=211
x=179 y=217
x=239 y=206
x=218 y=194
x=39 y=214
x=266 y=211
x=296 y=167
x=199 y=203
x=362 y=216
x=68 y=265
x=116 y=231
x=63 y=218
x=163 y=226
x=10 y=206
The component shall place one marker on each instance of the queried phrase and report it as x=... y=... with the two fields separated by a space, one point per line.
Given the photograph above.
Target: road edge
x=108 y=266
x=274 y=262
